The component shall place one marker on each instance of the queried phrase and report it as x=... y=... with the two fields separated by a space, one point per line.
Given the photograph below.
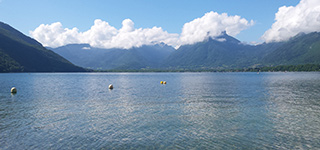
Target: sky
x=128 y=23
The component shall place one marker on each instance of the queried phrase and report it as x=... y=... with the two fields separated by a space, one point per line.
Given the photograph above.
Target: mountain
x=144 y=57
x=20 y=53
x=226 y=52
x=222 y=52
x=301 y=49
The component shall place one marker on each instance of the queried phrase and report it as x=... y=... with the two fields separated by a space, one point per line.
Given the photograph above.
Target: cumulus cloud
x=55 y=35
x=103 y=35
x=212 y=24
x=289 y=21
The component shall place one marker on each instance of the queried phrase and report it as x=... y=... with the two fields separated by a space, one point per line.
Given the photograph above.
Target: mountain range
x=230 y=53
x=21 y=53
x=222 y=52
x=144 y=57
x=301 y=49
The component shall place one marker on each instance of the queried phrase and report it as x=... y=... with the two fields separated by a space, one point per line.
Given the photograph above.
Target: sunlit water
x=192 y=111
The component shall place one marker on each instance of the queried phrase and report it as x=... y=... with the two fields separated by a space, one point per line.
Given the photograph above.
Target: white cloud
x=87 y=48
x=212 y=24
x=289 y=21
x=103 y=35
x=54 y=35
x=221 y=39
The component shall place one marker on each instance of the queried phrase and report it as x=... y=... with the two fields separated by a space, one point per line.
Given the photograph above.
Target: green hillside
x=19 y=53
x=232 y=54
x=215 y=54
x=301 y=49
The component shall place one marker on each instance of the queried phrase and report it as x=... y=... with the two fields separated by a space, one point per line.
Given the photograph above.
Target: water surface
x=192 y=111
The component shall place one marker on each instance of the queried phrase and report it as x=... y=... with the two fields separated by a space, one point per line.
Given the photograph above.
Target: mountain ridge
x=20 y=53
x=221 y=52
x=215 y=54
x=146 y=56
x=300 y=49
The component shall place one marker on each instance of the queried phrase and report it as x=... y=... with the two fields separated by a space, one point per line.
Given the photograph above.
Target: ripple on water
x=192 y=111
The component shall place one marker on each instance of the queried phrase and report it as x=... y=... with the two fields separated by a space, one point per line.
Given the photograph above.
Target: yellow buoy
x=161 y=82
x=110 y=86
x=164 y=82
x=13 y=90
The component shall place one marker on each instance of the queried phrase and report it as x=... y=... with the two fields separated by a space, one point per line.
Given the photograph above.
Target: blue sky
x=27 y=15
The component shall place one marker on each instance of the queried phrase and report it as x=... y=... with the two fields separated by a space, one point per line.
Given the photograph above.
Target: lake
x=192 y=111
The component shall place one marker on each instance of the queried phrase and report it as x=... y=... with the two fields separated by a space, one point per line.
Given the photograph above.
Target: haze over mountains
x=105 y=59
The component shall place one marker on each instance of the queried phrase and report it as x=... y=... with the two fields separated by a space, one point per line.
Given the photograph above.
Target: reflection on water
x=295 y=110
x=226 y=114
x=192 y=111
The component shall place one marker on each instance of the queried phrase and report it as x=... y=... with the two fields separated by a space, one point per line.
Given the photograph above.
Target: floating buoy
x=164 y=82
x=110 y=86
x=13 y=90
x=161 y=82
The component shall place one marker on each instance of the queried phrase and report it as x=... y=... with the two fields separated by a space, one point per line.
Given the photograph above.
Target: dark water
x=192 y=111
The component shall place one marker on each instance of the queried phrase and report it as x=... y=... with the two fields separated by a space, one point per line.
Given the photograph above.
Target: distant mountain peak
x=300 y=34
x=163 y=45
x=223 y=37
x=224 y=32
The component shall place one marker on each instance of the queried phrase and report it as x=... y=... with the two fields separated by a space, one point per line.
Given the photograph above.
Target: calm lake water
x=192 y=111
